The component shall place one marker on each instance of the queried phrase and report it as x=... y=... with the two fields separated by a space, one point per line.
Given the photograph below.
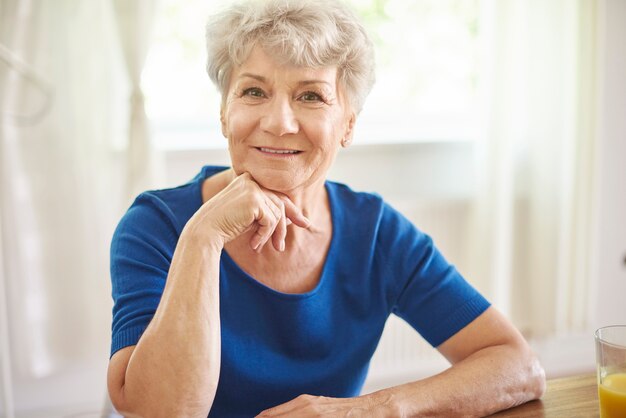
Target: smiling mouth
x=278 y=151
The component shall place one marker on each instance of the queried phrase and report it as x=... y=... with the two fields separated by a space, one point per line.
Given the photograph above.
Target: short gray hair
x=311 y=33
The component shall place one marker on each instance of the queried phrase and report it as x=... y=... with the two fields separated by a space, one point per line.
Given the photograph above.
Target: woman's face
x=284 y=124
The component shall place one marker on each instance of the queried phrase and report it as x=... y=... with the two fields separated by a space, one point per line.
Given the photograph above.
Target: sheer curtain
x=63 y=185
x=134 y=22
x=529 y=241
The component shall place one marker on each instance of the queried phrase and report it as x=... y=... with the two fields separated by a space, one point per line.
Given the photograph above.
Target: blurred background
x=498 y=127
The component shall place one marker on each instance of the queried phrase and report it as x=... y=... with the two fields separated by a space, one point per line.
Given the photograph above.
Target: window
x=427 y=73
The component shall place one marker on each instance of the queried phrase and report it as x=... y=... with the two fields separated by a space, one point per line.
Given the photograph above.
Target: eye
x=311 y=96
x=253 y=92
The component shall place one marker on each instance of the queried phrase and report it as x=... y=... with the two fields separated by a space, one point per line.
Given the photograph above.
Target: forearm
x=174 y=368
x=490 y=380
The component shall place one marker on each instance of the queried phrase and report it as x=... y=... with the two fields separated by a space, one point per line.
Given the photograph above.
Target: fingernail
x=282 y=246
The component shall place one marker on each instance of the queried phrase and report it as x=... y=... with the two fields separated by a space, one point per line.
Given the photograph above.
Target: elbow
x=115 y=392
x=532 y=375
x=119 y=403
x=163 y=408
x=122 y=406
x=536 y=378
x=163 y=412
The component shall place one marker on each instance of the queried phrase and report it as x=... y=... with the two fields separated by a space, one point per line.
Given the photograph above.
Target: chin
x=278 y=182
x=272 y=179
x=283 y=180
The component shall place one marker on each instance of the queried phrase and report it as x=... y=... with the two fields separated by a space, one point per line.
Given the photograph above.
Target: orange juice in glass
x=611 y=365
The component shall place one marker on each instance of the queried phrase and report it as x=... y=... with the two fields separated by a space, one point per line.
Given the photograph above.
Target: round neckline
x=293 y=296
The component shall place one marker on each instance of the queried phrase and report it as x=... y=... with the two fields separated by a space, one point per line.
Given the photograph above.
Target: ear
x=223 y=121
x=347 y=137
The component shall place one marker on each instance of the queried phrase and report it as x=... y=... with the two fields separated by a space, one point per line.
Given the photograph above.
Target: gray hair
x=310 y=33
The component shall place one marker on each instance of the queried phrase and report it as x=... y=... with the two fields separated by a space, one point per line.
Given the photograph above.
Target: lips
x=278 y=151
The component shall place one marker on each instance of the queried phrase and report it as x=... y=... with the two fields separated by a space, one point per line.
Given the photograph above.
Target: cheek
x=332 y=133
x=238 y=124
x=325 y=129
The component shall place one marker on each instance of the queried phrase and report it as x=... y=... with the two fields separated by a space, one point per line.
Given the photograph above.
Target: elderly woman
x=262 y=289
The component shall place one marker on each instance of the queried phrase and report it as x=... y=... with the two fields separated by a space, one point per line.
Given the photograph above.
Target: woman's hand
x=242 y=206
x=305 y=406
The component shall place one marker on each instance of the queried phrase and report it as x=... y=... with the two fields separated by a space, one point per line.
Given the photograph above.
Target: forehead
x=261 y=64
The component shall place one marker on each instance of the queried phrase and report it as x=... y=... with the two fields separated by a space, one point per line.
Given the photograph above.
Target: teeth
x=279 y=151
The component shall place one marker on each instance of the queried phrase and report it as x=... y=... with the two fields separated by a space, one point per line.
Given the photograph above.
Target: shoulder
x=169 y=206
x=368 y=215
x=359 y=203
x=160 y=215
x=345 y=199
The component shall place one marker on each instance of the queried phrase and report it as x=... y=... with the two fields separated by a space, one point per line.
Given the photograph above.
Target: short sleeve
x=141 y=254
x=429 y=293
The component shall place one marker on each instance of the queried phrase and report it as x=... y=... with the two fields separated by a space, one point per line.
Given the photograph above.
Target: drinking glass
x=611 y=366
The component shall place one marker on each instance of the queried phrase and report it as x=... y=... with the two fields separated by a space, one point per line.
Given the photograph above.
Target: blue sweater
x=276 y=346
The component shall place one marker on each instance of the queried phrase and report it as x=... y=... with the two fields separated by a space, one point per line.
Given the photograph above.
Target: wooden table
x=569 y=397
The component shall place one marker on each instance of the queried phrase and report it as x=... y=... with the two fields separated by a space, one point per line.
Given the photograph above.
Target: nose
x=279 y=118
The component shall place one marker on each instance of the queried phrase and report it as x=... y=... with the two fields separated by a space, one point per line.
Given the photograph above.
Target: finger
x=279 y=410
x=294 y=214
x=288 y=408
x=278 y=237
x=267 y=220
x=282 y=229
x=280 y=233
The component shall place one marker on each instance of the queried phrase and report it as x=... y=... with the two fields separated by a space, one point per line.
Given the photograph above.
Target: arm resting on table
x=493 y=368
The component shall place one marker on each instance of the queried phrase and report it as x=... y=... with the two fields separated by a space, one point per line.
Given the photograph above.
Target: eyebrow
x=254 y=76
x=300 y=83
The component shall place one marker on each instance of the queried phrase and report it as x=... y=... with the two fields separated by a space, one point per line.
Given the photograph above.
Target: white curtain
x=64 y=181
x=134 y=22
x=57 y=182
x=529 y=241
